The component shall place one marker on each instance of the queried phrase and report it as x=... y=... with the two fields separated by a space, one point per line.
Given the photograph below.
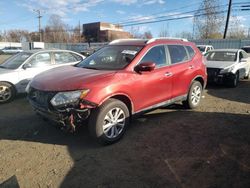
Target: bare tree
x=147 y=35
x=55 y=30
x=135 y=32
x=208 y=20
x=236 y=30
x=185 y=34
x=164 y=31
x=15 y=35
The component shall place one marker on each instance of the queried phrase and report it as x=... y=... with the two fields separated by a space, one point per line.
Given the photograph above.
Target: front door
x=37 y=64
x=153 y=88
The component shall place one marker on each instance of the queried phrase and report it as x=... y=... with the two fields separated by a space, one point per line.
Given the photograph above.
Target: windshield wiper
x=3 y=67
x=94 y=68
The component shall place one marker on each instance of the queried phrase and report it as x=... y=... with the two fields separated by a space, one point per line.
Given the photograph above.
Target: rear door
x=65 y=58
x=182 y=68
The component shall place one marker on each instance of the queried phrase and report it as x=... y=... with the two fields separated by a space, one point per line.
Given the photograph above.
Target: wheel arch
x=124 y=98
x=200 y=79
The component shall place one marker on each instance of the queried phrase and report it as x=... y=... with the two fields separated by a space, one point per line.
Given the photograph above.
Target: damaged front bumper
x=69 y=117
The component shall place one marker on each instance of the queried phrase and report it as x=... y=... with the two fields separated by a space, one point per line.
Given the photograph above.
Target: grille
x=213 y=72
x=41 y=98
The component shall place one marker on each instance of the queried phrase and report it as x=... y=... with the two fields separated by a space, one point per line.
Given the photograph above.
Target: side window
x=64 y=57
x=41 y=59
x=177 y=53
x=157 y=55
x=77 y=57
x=190 y=51
x=245 y=55
x=241 y=55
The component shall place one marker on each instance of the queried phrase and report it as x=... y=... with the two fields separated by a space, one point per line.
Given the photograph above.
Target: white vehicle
x=17 y=71
x=11 y=50
x=205 y=48
x=227 y=66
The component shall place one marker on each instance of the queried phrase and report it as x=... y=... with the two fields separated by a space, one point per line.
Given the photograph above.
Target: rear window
x=190 y=51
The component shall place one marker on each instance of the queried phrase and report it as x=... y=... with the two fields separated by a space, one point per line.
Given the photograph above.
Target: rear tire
x=7 y=92
x=194 y=95
x=108 y=123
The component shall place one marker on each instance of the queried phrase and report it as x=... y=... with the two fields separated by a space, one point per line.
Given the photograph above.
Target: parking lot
x=173 y=147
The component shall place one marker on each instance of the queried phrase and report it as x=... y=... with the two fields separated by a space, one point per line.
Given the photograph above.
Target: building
x=103 y=32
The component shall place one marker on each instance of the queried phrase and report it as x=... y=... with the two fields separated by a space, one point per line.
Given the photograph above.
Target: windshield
x=15 y=61
x=111 y=58
x=221 y=56
x=201 y=48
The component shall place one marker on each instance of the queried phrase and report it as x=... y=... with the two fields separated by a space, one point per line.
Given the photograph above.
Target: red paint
x=143 y=89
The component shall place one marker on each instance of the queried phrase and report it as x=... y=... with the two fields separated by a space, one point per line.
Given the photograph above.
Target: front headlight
x=227 y=70
x=63 y=98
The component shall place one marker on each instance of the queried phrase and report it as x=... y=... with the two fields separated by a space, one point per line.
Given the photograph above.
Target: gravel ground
x=3 y=57
x=207 y=148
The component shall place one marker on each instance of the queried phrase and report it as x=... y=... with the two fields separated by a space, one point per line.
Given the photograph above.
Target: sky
x=19 y=14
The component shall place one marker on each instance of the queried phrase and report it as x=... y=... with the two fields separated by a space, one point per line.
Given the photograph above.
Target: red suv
x=122 y=79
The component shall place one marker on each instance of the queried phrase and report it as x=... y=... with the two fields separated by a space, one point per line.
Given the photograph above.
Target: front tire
x=108 y=123
x=7 y=92
x=247 y=76
x=235 y=80
x=194 y=95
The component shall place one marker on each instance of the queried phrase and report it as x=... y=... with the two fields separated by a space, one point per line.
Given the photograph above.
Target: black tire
x=235 y=80
x=101 y=116
x=192 y=101
x=7 y=92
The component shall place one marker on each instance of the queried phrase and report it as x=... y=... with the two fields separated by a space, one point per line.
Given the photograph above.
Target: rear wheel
x=7 y=92
x=194 y=95
x=108 y=123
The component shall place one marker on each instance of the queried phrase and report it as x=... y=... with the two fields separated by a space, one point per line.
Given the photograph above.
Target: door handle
x=168 y=74
x=190 y=67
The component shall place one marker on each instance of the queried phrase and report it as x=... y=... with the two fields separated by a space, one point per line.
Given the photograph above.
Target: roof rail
x=167 y=38
x=120 y=40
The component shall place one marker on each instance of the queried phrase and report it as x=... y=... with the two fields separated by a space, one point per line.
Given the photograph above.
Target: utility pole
x=228 y=17
x=39 y=22
x=79 y=31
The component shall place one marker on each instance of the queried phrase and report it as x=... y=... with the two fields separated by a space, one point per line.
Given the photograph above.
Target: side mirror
x=27 y=65
x=145 y=67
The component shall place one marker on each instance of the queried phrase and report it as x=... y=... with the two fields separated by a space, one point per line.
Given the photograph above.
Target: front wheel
x=7 y=92
x=247 y=76
x=108 y=123
x=194 y=95
x=235 y=80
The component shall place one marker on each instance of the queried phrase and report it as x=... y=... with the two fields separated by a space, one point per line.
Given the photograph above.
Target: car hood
x=219 y=64
x=67 y=78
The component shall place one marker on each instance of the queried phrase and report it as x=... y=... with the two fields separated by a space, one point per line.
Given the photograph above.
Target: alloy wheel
x=5 y=93
x=114 y=122
x=196 y=95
